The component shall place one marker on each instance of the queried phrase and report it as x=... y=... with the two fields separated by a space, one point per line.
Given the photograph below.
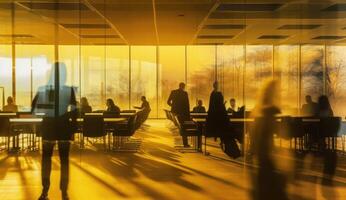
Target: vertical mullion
x=299 y=77
x=157 y=80
x=13 y=52
x=130 y=54
x=325 y=71
x=186 y=64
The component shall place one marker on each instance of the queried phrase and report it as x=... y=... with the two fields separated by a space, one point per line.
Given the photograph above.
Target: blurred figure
x=217 y=123
x=232 y=108
x=180 y=106
x=329 y=155
x=268 y=183
x=199 y=108
x=58 y=102
x=310 y=108
x=11 y=106
x=84 y=106
x=112 y=108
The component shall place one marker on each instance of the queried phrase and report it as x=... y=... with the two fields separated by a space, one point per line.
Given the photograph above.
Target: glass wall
x=144 y=76
x=201 y=75
x=230 y=72
x=125 y=73
x=312 y=78
x=117 y=75
x=5 y=73
x=336 y=78
x=286 y=68
x=170 y=73
x=93 y=76
x=259 y=68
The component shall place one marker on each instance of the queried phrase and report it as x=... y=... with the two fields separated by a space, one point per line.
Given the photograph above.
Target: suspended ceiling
x=173 y=22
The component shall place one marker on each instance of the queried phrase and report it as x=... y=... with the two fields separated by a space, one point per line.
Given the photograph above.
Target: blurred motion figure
x=268 y=183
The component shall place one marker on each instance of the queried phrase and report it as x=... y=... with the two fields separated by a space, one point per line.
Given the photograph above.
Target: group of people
x=199 y=108
x=112 y=108
x=58 y=102
x=217 y=123
x=320 y=109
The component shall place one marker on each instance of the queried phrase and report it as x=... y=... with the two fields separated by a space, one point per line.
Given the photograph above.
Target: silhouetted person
x=324 y=108
x=145 y=106
x=329 y=155
x=84 y=106
x=218 y=125
x=11 y=106
x=144 y=109
x=199 y=108
x=180 y=106
x=268 y=183
x=232 y=109
x=58 y=103
x=112 y=108
x=310 y=108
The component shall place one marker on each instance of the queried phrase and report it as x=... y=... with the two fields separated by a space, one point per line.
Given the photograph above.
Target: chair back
x=93 y=126
x=4 y=125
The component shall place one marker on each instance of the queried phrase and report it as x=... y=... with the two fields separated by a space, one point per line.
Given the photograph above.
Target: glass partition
x=144 y=76
x=259 y=68
x=170 y=73
x=201 y=74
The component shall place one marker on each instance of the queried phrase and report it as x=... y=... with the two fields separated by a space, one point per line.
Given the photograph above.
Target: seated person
x=112 y=108
x=199 y=108
x=84 y=106
x=11 y=106
x=310 y=108
x=145 y=105
x=232 y=109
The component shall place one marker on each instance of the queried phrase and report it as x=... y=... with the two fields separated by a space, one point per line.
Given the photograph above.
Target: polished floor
x=158 y=171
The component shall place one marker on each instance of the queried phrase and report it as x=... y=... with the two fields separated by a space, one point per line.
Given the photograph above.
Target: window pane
x=143 y=76
x=286 y=66
x=200 y=73
x=336 y=78
x=93 y=76
x=230 y=62
x=5 y=72
x=312 y=71
x=69 y=54
x=171 y=73
x=259 y=67
x=117 y=75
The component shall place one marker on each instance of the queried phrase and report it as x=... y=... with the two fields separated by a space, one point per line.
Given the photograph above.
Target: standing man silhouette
x=179 y=102
x=58 y=103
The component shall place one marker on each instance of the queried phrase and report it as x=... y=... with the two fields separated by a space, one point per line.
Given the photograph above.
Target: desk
x=120 y=119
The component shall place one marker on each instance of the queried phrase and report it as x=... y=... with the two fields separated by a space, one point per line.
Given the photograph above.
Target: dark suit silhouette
x=179 y=102
x=218 y=125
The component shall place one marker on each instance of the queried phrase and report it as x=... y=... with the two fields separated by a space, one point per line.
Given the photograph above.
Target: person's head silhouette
x=182 y=86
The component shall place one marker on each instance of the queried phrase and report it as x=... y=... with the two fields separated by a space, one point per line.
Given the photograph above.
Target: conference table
x=308 y=123
x=32 y=124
